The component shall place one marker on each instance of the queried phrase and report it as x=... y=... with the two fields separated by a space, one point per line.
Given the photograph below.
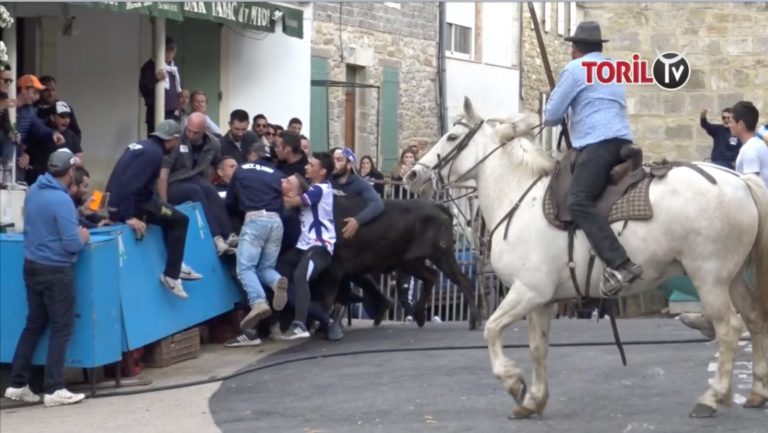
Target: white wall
x=501 y=34
x=269 y=76
x=494 y=91
x=97 y=71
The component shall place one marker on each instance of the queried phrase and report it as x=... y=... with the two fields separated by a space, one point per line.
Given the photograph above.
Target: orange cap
x=29 y=81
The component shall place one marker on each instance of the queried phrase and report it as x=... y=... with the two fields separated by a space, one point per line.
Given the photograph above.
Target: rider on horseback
x=599 y=130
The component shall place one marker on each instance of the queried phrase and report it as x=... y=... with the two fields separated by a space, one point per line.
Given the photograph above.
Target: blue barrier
x=98 y=329
x=121 y=304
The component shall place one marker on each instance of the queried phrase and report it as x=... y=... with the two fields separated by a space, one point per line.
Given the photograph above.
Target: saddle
x=625 y=198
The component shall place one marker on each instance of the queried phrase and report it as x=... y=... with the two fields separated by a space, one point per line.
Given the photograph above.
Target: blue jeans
x=257 y=251
x=51 y=300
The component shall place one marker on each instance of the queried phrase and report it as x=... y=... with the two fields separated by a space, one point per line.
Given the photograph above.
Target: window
x=562 y=19
x=459 y=40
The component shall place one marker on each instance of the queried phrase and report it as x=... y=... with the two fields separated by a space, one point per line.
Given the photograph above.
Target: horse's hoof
x=702 y=411
x=755 y=401
x=520 y=395
x=521 y=412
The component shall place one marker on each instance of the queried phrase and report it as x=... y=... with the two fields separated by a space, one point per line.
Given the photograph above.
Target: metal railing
x=447 y=302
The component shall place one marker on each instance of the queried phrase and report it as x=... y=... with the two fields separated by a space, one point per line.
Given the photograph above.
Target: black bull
x=403 y=238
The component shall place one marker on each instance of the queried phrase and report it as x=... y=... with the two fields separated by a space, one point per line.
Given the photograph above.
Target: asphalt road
x=454 y=390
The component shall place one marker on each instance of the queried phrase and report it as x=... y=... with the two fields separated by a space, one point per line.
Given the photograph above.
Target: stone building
x=386 y=46
x=725 y=44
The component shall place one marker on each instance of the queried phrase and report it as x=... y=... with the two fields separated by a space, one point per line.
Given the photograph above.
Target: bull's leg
x=446 y=262
x=428 y=276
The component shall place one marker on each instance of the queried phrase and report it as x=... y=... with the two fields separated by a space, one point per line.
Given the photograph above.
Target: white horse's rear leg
x=518 y=302
x=535 y=401
x=756 y=319
x=717 y=307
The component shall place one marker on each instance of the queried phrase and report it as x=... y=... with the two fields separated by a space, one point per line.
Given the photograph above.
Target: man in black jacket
x=238 y=140
x=169 y=75
x=132 y=200
x=725 y=147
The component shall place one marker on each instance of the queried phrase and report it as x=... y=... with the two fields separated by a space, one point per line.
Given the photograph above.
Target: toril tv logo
x=670 y=71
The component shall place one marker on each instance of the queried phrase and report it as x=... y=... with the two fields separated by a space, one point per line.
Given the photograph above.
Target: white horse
x=713 y=233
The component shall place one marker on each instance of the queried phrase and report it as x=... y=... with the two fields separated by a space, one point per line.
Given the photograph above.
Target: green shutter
x=318 y=106
x=390 y=101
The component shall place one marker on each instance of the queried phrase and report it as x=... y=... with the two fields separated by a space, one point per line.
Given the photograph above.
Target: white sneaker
x=222 y=247
x=232 y=240
x=175 y=286
x=280 y=291
x=22 y=394
x=188 y=273
x=62 y=397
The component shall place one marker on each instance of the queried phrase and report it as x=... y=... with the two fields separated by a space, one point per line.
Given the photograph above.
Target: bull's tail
x=759 y=257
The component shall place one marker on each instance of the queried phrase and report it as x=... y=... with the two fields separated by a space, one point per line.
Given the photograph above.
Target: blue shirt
x=598 y=111
x=133 y=179
x=256 y=186
x=51 y=230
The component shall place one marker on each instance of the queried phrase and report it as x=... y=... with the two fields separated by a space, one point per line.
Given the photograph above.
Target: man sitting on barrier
x=255 y=188
x=185 y=176
x=52 y=241
x=132 y=200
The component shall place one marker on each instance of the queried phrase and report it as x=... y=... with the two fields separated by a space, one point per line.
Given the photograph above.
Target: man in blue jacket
x=256 y=190
x=132 y=200
x=52 y=241
x=725 y=147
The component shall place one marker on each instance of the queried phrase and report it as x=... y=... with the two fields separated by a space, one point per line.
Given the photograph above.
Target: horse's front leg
x=539 y=321
x=518 y=302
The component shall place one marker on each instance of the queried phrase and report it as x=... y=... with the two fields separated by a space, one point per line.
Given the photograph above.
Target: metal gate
x=447 y=302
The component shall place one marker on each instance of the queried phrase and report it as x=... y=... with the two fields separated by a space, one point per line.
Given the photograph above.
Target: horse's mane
x=517 y=132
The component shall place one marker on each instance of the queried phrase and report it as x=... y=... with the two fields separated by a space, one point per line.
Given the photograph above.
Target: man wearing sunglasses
x=725 y=147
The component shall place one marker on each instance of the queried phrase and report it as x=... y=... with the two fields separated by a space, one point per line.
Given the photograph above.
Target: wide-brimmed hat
x=587 y=31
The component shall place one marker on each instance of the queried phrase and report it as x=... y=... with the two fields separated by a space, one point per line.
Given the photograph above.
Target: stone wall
x=371 y=36
x=727 y=48
x=534 y=79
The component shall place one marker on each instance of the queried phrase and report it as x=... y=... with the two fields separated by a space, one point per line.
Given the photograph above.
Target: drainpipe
x=159 y=64
x=442 y=97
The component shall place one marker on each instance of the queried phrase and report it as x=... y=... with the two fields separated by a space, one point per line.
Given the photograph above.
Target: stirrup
x=611 y=283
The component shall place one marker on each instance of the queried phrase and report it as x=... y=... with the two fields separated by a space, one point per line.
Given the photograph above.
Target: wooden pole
x=547 y=67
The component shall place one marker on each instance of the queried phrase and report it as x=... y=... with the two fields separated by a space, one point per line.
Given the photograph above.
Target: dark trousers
x=403 y=283
x=310 y=264
x=174 y=225
x=51 y=299
x=197 y=189
x=590 y=177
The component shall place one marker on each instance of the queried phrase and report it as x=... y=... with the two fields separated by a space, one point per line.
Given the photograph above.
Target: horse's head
x=454 y=154
x=458 y=153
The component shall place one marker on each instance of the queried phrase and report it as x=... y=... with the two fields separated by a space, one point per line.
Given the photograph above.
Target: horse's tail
x=760 y=249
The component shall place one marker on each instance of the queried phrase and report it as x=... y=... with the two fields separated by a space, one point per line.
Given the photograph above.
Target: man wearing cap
x=39 y=148
x=169 y=75
x=52 y=241
x=132 y=200
x=186 y=176
x=346 y=180
x=27 y=123
x=599 y=129
x=48 y=98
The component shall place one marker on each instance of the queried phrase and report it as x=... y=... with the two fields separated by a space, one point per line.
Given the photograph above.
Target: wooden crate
x=176 y=348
